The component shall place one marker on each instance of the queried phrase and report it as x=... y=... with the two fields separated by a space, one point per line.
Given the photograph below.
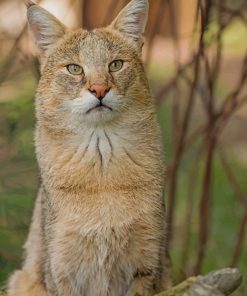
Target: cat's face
x=90 y=77
x=93 y=76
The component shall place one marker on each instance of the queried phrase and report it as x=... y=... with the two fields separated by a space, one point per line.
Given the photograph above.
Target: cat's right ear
x=45 y=28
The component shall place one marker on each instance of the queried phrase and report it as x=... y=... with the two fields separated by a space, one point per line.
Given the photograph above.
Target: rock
x=216 y=283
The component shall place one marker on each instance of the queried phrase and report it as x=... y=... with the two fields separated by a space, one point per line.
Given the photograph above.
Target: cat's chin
x=99 y=108
x=100 y=114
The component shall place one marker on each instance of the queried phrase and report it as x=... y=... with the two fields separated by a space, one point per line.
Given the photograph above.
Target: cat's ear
x=45 y=28
x=132 y=20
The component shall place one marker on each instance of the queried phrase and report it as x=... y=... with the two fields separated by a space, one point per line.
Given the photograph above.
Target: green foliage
x=232 y=37
x=18 y=176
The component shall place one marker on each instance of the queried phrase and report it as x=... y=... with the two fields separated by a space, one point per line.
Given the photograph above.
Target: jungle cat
x=98 y=227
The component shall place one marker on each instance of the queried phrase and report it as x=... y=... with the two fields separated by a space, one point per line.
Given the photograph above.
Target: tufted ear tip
x=29 y=3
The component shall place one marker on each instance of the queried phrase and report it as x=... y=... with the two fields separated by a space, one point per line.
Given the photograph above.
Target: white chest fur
x=103 y=144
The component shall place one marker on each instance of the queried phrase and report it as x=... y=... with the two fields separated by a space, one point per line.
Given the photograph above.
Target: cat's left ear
x=45 y=28
x=132 y=20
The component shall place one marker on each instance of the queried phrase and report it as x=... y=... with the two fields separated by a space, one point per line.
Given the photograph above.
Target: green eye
x=116 y=66
x=75 y=69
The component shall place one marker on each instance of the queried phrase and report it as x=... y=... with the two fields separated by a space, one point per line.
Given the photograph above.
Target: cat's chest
x=102 y=146
x=101 y=212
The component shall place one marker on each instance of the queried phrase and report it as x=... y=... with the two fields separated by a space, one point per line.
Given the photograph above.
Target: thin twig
x=185 y=124
x=240 y=240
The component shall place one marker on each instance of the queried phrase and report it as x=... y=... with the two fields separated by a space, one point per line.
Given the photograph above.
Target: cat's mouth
x=100 y=107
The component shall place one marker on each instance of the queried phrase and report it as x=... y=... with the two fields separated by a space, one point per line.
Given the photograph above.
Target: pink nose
x=99 y=90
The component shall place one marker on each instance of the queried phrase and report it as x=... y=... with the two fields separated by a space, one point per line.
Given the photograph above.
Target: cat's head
x=90 y=77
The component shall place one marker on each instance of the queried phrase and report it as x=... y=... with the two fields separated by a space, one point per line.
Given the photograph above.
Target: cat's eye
x=116 y=65
x=75 y=69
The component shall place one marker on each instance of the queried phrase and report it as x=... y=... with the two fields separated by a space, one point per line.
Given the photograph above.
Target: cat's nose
x=99 y=90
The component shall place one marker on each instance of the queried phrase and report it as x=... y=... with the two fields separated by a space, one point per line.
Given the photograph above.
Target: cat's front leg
x=22 y=283
x=62 y=281
x=65 y=288
x=143 y=284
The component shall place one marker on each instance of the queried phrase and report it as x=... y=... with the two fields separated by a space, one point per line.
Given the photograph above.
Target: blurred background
x=195 y=56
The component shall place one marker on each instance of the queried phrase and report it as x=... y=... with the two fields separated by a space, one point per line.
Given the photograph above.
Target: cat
x=99 y=223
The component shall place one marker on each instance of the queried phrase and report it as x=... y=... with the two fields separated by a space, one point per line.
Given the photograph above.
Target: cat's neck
x=92 y=143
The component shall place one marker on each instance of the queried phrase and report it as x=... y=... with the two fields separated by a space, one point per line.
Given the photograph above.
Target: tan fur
x=98 y=227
